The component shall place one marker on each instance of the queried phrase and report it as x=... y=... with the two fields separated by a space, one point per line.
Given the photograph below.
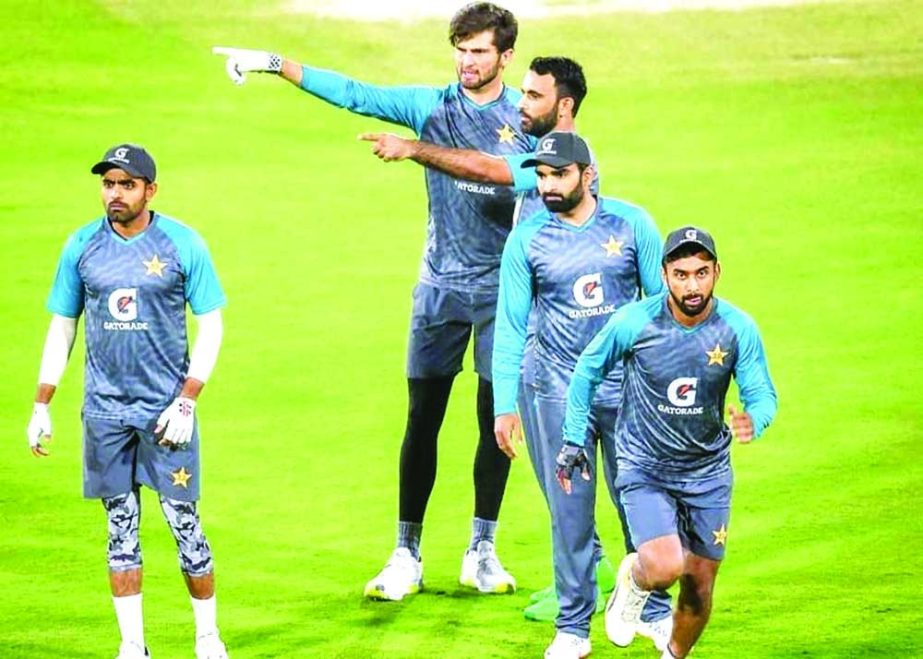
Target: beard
x=541 y=125
x=563 y=203
x=481 y=80
x=691 y=310
x=123 y=215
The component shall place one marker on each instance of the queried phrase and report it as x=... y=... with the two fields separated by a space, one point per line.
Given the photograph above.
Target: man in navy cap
x=678 y=351
x=131 y=273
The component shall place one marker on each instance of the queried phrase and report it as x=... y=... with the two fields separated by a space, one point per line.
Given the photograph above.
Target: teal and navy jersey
x=468 y=222
x=571 y=279
x=132 y=294
x=671 y=421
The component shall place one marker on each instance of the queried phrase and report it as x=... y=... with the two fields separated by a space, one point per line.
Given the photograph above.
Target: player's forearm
x=292 y=71
x=465 y=164
x=58 y=344
x=204 y=353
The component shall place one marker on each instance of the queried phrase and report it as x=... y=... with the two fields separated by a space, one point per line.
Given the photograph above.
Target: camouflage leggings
x=124 y=515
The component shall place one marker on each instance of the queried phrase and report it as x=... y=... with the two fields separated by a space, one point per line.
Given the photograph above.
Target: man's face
x=125 y=197
x=538 y=107
x=691 y=281
x=477 y=61
x=561 y=187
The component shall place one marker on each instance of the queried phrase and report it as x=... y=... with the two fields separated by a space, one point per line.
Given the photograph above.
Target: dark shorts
x=120 y=454
x=697 y=511
x=441 y=323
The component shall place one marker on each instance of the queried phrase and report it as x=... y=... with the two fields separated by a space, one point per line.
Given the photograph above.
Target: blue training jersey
x=570 y=279
x=468 y=222
x=133 y=296
x=676 y=378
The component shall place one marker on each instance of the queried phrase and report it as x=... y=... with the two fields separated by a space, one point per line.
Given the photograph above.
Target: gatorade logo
x=588 y=290
x=681 y=392
x=123 y=304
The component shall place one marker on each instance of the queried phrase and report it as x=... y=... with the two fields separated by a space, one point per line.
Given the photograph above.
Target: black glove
x=571 y=457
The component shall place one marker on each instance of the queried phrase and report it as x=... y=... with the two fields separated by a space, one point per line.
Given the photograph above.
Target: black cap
x=689 y=236
x=560 y=149
x=130 y=157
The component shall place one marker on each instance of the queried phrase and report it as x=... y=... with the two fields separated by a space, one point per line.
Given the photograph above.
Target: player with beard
x=678 y=351
x=565 y=271
x=457 y=290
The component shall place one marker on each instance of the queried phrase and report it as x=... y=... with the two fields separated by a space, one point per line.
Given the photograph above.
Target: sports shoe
x=130 y=650
x=623 y=611
x=210 y=646
x=568 y=646
x=481 y=569
x=658 y=631
x=402 y=575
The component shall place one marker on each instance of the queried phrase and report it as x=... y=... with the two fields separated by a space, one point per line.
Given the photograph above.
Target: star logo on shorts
x=721 y=535
x=155 y=266
x=506 y=134
x=716 y=356
x=181 y=477
x=612 y=246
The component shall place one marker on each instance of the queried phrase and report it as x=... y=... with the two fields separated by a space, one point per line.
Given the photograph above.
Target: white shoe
x=210 y=647
x=658 y=631
x=130 y=650
x=623 y=611
x=568 y=646
x=402 y=575
x=481 y=569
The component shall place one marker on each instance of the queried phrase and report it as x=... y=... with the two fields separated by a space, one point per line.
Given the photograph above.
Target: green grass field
x=794 y=134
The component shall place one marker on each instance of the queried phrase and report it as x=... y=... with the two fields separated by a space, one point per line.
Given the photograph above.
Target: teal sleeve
x=202 y=289
x=407 y=106
x=600 y=356
x=514 y=303
x=757 y=392
x=650 y=253
x=67 y=291
x=524 y=178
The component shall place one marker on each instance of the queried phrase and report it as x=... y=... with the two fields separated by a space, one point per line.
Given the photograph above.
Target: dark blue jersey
x=468 y=222
x=133 y=294
x=571 y=279
x=675 y=381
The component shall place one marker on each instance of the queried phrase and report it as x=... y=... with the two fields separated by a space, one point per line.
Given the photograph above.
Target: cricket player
x=457 y=291
x=130 y=274
x=567 y=270
x=679 y=351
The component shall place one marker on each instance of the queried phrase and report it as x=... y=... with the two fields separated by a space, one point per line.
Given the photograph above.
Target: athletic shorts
x=441 y=323
x=697 y=511
x=120 y=454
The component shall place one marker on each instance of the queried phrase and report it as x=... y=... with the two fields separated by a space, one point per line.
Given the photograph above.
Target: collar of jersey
x=486 y=106
x=128 y=241
x=583 y=227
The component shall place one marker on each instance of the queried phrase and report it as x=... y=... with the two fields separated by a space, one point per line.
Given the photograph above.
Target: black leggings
x=426 y=411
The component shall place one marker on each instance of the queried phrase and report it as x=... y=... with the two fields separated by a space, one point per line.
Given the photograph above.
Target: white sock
x=206 y=615
x=131 y=620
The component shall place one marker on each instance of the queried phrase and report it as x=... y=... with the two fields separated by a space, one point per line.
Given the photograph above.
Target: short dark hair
x=690 y=249
x=567 y=74
x=480 y=16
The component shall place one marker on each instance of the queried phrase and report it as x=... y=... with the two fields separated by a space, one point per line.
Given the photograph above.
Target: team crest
x=506 y=134
x=716 y=355
x=181 y=477
x=154 y=266
x=721 y=535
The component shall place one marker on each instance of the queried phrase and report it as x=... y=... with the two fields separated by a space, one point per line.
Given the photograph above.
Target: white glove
x=176 y=422
x=39 y=428
x=241 y=60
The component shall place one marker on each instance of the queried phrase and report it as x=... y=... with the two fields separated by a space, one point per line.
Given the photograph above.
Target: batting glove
x=175 y=423
x=241 y=60
x=569 y=458
x=39 y=427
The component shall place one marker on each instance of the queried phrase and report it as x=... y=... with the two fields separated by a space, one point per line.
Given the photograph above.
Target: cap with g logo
x=689 y=235
x=560 y=149
x=129 y=157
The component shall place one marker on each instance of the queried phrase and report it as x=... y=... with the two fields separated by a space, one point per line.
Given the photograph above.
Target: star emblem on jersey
x=155 y=266
x=181 y=477
x=716 y=356
x=612 y=246
x=721 y=535
x=506 y=134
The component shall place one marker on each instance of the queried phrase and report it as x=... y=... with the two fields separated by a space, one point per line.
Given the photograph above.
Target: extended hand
x=39 y=429
x=174 y=426
x=741 y=425
x=508 y=431
x=571 y=457
x=388 y=146
x=241 y=60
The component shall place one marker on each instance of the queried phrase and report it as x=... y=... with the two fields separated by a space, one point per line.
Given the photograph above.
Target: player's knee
x=194 y=552
x=123 y=513
x=662 y=569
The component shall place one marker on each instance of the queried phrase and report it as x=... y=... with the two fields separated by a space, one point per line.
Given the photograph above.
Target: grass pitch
x=793 y=133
